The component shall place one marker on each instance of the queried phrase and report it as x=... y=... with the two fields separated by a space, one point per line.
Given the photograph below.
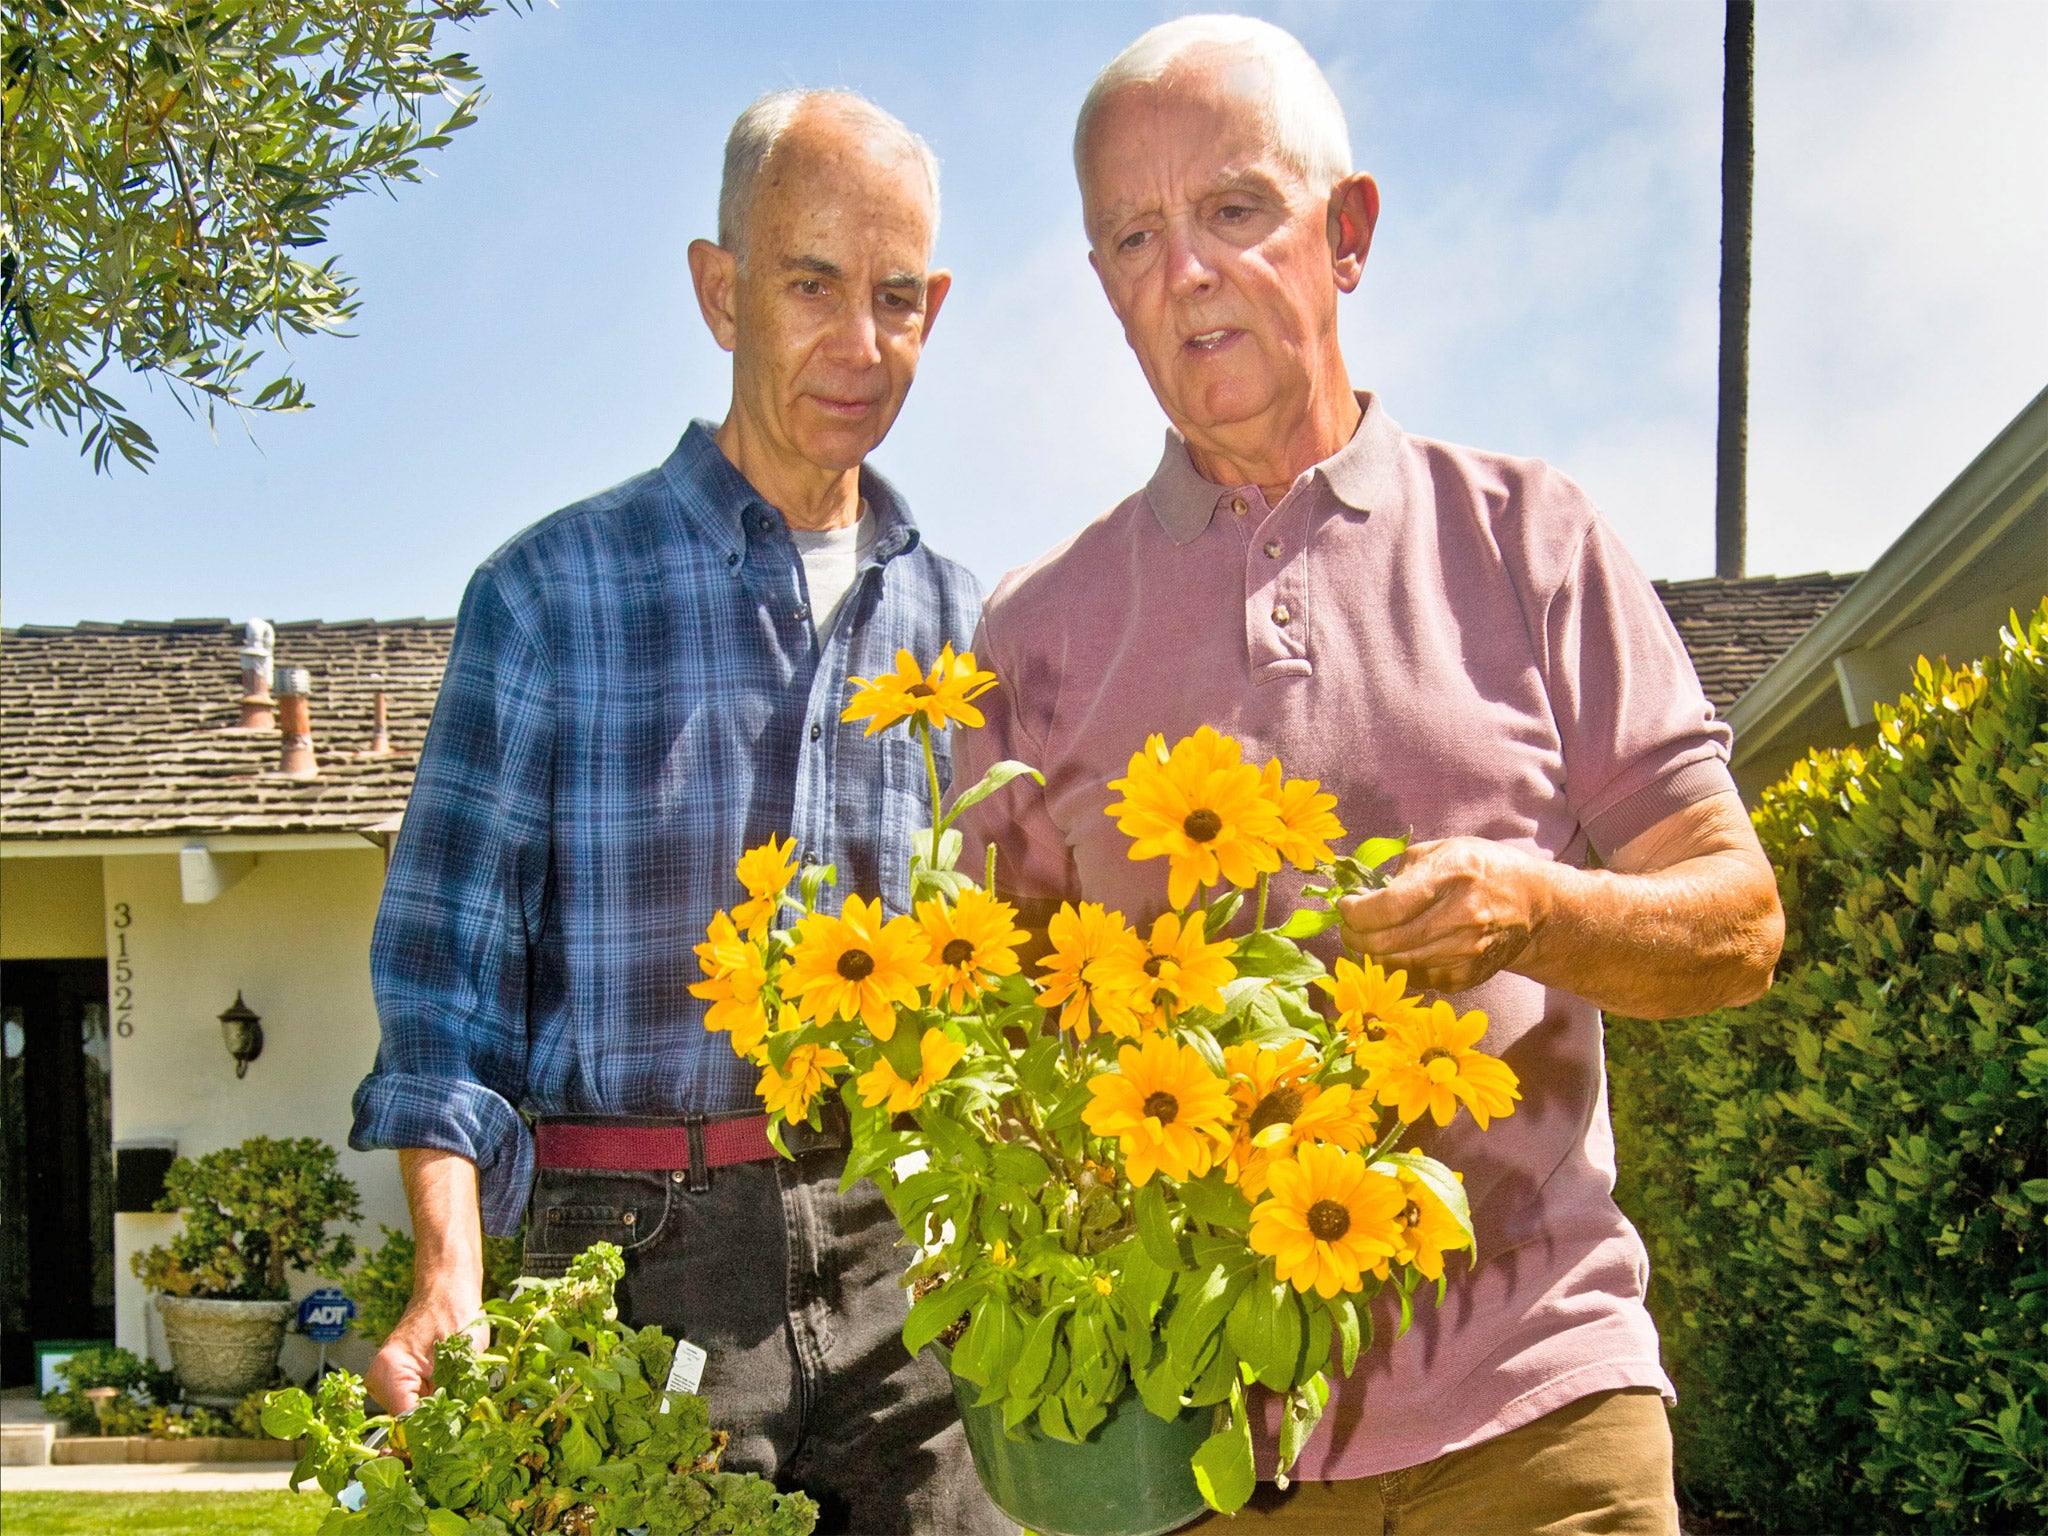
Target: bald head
x=796 y=133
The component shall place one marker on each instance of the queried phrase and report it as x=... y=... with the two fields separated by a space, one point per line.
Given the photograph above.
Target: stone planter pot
x=223 y=1350
x=1131 y=1477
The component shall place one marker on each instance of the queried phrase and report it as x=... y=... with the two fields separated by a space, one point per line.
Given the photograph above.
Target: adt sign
x=324 y=1316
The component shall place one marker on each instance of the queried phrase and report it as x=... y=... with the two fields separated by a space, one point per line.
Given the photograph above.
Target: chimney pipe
x=294 y=721
x=380 y=736
x=258 y=713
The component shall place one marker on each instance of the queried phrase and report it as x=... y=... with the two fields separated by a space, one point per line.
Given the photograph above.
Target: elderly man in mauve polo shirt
x=1453 y=642
x=641 y=687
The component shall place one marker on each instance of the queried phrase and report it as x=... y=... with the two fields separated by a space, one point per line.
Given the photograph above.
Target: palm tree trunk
x=1738 y=181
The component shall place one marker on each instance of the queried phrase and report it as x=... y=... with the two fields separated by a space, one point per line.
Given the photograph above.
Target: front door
x=56 y=1159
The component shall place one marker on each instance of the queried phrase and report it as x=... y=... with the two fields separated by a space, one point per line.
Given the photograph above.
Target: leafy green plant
x=381 y=1285
x=252 y=1213
x=561 y=1425
x=1844 y=1186
x=141 y=1385
x=168 y=166
x=1158 y=1168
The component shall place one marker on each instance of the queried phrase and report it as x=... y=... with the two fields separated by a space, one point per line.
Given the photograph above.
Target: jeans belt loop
x=700 y=1160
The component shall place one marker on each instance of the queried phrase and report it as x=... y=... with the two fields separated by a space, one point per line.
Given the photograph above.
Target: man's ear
x=715 y=273
x=1354 y=210
x=936 y=286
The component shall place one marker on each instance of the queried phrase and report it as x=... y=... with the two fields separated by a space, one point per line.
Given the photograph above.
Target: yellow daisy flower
x=1427 y=1230
x=736 y=971
x=1175 y=969
x=1307 y=819
x=789 y=1093
x=1329 y=1219
x=1434 y=1068
x=938 y=1054
x=972 y=942
x=1201 y=809
x=1083 y=938
x=857 y=966
x=1169 y=1113
x=1278 y=1109
x=1367 y=999
x=766 y=872
x=910 y=694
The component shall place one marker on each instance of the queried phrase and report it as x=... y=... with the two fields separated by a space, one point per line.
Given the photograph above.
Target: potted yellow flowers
x=1164 y=1169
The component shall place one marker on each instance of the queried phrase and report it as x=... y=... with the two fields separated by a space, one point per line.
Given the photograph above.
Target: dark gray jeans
x=792 y=1288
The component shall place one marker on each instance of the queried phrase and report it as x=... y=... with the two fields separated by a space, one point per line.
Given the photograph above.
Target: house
x=155 y=867
x=158 y=865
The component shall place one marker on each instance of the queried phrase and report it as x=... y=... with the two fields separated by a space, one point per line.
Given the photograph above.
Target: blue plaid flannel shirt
x=635 y=696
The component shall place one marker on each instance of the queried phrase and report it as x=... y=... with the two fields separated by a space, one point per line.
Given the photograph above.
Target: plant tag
x=687 y=1370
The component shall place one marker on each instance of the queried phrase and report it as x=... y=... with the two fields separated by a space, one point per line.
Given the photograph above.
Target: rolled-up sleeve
x=454 y=955
x=1640 y=738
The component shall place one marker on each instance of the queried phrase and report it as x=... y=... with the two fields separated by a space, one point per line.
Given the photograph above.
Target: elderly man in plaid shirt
x=642 y=686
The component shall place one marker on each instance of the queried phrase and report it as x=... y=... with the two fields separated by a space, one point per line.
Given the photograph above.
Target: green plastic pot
x=1131 y=1477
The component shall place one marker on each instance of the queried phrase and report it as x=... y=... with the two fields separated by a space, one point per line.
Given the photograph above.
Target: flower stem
x=1393 y=1140
x=1259 y=921
x=931 y=773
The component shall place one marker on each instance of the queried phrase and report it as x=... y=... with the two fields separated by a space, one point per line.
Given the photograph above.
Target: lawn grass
x=162 y=1514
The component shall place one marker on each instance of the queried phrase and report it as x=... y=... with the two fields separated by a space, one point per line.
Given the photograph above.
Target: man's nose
x=1188 y=272
x=854 y=339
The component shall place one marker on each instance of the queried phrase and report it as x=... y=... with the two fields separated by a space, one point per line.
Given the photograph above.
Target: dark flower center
x=1277 y=1108
x=1162 y=1106
x=856 y=965
x=1152 y=965
x=1202 y=825
x=1413 y=1215
x=921 y=690
x=1375 y=1030
x=1328 y=1220
x=959 y=952
x=1436 y=1053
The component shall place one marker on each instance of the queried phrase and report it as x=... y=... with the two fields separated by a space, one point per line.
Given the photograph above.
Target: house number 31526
x=123 y=973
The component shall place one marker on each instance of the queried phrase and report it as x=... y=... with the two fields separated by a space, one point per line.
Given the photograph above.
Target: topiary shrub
x=1844 y=1186
x=252 y=1213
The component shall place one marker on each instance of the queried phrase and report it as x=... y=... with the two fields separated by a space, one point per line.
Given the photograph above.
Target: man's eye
x=1135 y=239
x=1234 y=211
x=896 y=301
x=809 y=287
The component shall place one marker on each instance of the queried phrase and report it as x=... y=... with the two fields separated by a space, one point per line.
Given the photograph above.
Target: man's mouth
x=1211 y=341
x=843 y=407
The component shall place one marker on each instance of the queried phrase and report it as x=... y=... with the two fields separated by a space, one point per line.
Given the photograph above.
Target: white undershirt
x=831 y=557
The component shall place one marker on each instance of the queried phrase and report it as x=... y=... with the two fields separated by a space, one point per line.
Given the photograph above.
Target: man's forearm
x=1701 y=934
x=447 y=1226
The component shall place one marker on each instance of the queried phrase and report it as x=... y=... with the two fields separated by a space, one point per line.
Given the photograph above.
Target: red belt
x=568 y=1144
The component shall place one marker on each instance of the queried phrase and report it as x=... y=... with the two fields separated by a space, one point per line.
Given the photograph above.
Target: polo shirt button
x=1272 y=549
x=732 y=559
x=817 y=731
x=1239 y=505
x=802 y=611
x=1281 y=615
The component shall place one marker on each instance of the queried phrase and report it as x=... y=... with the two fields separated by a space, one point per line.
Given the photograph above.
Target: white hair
x=756 y=131
x=1303 y=118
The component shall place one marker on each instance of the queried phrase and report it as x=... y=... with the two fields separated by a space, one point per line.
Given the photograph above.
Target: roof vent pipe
x=258 y=642
x=294 y=721
x=380 y=736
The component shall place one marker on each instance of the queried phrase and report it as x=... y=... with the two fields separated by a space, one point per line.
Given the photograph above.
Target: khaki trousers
x=1598 y=1467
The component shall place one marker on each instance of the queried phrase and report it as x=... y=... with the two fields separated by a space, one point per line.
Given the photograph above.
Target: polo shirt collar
x=716 y=501
x=1361 y=475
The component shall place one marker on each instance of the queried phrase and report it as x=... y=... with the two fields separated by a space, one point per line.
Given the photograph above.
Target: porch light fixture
x=242 y=1030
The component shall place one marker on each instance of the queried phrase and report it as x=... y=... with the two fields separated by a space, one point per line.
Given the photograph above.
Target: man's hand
x=1683 y=920
x=447 y=1276
x=1460 y=909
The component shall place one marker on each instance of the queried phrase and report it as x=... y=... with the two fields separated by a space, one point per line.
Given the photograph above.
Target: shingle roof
x=120 y=729
x=1736 y=626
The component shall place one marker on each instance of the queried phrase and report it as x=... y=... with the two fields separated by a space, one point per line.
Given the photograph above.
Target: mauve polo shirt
x=1453 y=642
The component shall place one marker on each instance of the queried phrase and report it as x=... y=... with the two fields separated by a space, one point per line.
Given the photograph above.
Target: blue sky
x=1543 y=282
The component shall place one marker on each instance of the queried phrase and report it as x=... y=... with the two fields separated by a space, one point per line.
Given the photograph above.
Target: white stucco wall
x=293 y=937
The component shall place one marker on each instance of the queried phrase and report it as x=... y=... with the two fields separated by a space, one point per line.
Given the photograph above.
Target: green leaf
x=1005 y=772
x=287 y=1414
x=1301 y=1412
x=1375 y=851
x=1036 y=1356
x=1214 y=1199
x=1307 y=922
x=814 y=879
x=1348 y=1315
x=1264 y=1327
x=1203 y=1300
x=1267 y=954
x=1217 y=915
x=446 y=1522
x=933 y=1313
x=1223 y=1465
x=1155 y=1228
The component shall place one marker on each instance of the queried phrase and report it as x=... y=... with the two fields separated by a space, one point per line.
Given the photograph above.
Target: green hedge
x=1844 y=1186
